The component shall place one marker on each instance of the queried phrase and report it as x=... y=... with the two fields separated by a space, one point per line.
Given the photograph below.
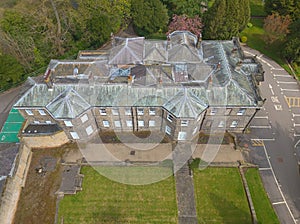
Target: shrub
x=243 y=39
x=249 y=25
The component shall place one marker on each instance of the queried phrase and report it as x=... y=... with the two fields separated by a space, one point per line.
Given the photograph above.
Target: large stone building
x=178 y=86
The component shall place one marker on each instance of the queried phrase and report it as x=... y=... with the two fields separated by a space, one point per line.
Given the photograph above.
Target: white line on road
x=264 y=168
x=262 y=139
x=278 y=203
x=263 y=117
x=296 y=135
x=267 y=126
x=281 y=82
x=290 y=90
x=282 y=75
x=296 y=125
x=296 y=115
x=268 y=159
x=280 y=69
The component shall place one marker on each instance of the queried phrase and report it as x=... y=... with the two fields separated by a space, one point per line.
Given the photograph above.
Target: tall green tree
x=190 y=8
x=283 y=7
x=149 y=16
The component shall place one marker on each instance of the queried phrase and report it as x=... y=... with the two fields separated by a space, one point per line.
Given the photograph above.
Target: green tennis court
x=11 y=127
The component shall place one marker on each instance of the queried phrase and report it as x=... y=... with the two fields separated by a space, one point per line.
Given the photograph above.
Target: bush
x=249 y=25
x=243 y=39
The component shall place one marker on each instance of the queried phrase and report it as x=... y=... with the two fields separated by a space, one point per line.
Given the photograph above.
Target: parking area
x=11 y=127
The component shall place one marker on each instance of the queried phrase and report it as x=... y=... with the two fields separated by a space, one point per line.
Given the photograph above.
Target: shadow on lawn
x=228 y=212
x=108 y=214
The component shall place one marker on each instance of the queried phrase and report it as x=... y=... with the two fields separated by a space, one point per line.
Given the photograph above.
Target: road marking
x=264 y=168
x=280 y=191
x=296 y=125
x=278 y=107
x=279 y=69
x=271 y=88
x=263 y=117
x=296 y=135
x=275 y=99
x=280 y=82
x=289 y=90
x=282 y=75
x=263 y=139
x=268 y=126
x=292 y=101
x=278 y=203
x=296 y=115
x=257 y=142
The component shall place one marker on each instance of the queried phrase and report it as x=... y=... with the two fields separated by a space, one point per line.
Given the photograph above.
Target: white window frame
x=140 y=111
x=241 y=112
x=129 y=123
x=221 y=124
x=42 y=112
x=234 y=124
x=128 y=111
x=170 y=117
x=141 y=123
x=168 y=130
x=106 y=123
x=184 y=123
x=36 y=122
x=89 y=130
x=117 y=124
x=102 y=111
x=68 y=123
x=74 y=134
x=151 y=123
x=152 y=111
x=182 y=135
x=195 y=130
x=84 y=118
x=29 y=112
x=48 y=122
x=213 y=111
x=115 y=111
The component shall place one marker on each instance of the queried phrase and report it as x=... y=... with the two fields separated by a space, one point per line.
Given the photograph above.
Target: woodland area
x=34 y=31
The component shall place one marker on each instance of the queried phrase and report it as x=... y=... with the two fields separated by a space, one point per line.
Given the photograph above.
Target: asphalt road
x=274 y=132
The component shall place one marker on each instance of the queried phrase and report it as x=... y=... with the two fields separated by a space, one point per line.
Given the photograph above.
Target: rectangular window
x=106 y=124
x=195 y=130
x=182 y=135
x=36 y=122
x=117 y=124
x=234 y=124
x=29 y=112
x=127 y=111
x=221 y=124
x=140 y=111
x=170 y=117
x=141 y=123
x=152 y=111
x=168 y=130
x=48 y=122
x=151 y=123
x=89 y=130
x=184 y=123
x=68 y=123
x=208 y=123
x=102 y=111
x=129 y=123
x=74 y=135
x=213 y=111
x=84 y=118
x=115 y=111
x=241 y=111
x=42 y=112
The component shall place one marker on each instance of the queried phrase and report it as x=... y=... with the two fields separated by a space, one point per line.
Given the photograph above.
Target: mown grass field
x=220 y=196
x=105 y=201
x=263 y=208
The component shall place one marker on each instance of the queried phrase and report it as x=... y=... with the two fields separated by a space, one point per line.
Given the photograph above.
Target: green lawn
x=106 y=201
x=264 y=211
x=220 y=196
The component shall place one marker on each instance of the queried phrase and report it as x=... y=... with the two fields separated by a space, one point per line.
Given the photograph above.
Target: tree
x=292 y=50
x=190 y=8
x=226 y=18
x=276 y=27
x=283 y=8
x=149 y=16
x=194 y=25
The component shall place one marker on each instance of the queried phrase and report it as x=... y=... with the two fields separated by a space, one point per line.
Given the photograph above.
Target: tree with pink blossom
x=183 y=22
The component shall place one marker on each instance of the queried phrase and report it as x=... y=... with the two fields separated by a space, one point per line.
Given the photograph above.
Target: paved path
x=274 y=131
x=184 y=185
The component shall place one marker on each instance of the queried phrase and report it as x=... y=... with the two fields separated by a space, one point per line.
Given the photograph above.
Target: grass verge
x=106 y=201
x=263 y=208
x=220 y=196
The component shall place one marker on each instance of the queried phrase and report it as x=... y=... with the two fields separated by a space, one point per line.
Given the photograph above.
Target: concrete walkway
x=184 y=185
